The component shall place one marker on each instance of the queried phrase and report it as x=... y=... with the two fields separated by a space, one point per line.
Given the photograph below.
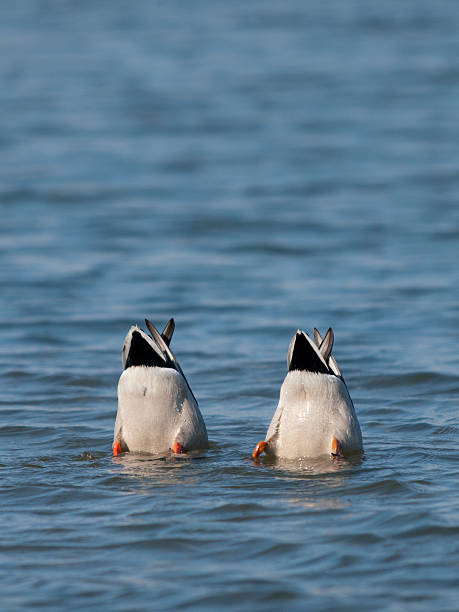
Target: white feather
x=313 y=409
x=156 y=409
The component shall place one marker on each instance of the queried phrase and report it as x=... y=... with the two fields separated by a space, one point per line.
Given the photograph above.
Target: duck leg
x=177 y=448
x=259 y=448
x=337 y=449
x=119 y=446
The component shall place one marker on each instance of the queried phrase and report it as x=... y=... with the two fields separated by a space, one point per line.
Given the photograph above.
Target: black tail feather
x=305 y=358
x=142 y=354
x=168 y=331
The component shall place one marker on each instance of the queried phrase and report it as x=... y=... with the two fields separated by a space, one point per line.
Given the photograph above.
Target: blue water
x=249 y=168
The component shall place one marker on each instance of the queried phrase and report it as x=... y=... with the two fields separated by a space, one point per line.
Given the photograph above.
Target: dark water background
x=249 y=168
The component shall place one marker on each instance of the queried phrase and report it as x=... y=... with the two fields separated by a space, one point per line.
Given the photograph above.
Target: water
x=248 y=168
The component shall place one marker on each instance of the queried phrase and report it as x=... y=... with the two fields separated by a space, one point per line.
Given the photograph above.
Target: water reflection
x=313 y=466
x=163 y=469
x=319 y=503
x=319 y=483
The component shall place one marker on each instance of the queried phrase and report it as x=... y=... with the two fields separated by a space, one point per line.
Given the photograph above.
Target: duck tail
x=304 y=355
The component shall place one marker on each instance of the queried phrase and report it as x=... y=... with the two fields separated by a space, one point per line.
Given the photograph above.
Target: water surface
x=248 y=168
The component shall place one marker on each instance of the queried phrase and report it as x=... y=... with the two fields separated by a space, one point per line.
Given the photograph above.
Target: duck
x=315 y=415
x=157 y=410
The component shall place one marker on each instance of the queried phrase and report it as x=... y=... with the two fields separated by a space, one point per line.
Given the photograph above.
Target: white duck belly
x=313 y=409
x=155 y=410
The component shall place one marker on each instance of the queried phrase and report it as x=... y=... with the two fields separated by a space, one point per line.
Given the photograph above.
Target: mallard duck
x=315 y=415
x=157 y=410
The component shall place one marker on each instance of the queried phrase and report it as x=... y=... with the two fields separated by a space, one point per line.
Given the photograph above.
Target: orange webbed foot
x=177 y=448
x=337 y=449
x=259 y=448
